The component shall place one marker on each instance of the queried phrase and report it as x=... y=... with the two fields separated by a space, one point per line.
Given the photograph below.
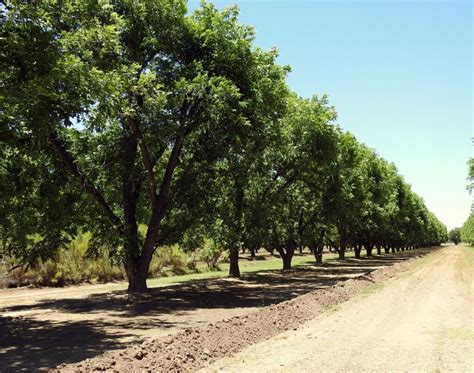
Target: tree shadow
x=29 y=344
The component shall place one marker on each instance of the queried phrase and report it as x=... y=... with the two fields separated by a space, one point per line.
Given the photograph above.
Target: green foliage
x=470 y=177
x=169 y=258
x=455 y=235
x=212 y=254
x=70 y=265
x=151 y=128
x=467 y=230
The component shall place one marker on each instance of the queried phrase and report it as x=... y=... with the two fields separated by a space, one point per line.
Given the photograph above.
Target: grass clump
x=71 y=265
x=170 y=260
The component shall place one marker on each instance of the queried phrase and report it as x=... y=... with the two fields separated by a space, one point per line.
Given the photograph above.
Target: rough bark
x=159 y=206
x=130 y=192
x=318 y=247
x=341 y=250
x=234 y=270
x=136 y=276
x=147 y=162
x=287 y=253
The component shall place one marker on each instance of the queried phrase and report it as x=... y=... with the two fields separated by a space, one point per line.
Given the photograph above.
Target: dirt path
x=421 y=320
x=197 y=347
x=181 y=327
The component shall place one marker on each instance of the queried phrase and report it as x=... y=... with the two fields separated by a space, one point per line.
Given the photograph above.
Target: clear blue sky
x=398 y=72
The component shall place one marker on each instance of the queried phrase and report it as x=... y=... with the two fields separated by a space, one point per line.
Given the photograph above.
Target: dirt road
x=42 y=328
x=397 y=312
x=420 y=320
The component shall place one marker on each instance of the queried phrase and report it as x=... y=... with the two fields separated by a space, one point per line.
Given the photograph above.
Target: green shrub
x=102 y=269
x=156 y=267
x=172 y=258
x=69 y=266
x=72 y=265
x=45 y=273
x=72 y=261
x=467 y=230
x=14 y=278
x=212 y=254
x=191 y=262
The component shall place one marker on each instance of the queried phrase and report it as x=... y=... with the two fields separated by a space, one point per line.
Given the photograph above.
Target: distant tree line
x=467 y=230
x=122 y=115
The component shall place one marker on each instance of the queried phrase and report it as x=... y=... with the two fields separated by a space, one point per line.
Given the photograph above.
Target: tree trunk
x=136 y=272
x=318 y=254
x=357 y=250
x=252 y=252
x=139 y=270
x=137 y=276
x=234 y=270
x=286 y=254
x=137 y=266
x=286 y=261
x=368 y=250
x=393 y=249
x=342 y=242
x=342 y=253
x=379 y=250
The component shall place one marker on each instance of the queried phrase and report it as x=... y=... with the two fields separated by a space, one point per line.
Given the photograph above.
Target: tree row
x=147 y=125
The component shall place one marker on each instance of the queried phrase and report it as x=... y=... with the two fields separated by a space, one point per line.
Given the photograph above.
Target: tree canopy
x=121 y=114
x=455 y=235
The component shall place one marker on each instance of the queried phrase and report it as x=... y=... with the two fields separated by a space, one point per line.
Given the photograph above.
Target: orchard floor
x=420 y=321
x=43 y=328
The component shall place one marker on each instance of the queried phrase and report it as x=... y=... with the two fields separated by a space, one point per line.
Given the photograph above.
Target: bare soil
x=421 y=321
x=177 y=328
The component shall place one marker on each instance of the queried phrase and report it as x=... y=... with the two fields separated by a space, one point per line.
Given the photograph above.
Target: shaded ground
x=422 y=321
x=70 y=326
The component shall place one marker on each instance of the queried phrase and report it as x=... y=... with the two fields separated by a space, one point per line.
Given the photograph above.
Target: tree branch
x=71 y=164
x=159 y=206
x=147 y=162
x=130 y=194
